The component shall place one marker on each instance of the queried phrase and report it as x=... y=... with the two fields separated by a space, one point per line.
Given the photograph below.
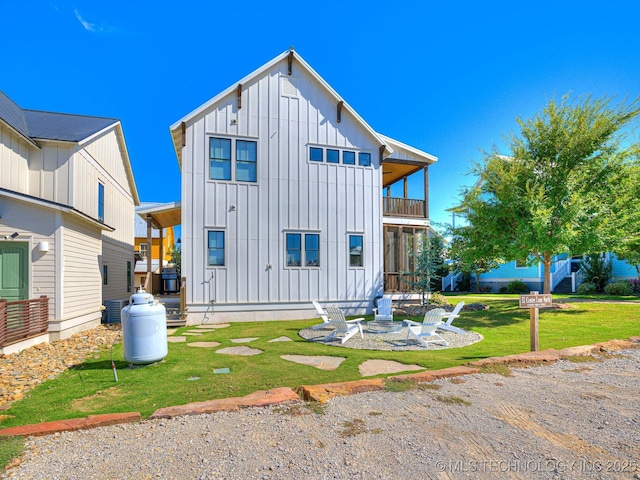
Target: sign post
x=533 y=302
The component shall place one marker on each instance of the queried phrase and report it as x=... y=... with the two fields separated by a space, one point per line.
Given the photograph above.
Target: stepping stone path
x=376 y=367
x=243 y=340
x=195 y=334
x=281 y=339
x=203 y=344
x=176 y=339
x=317 y=361
x=245 y=351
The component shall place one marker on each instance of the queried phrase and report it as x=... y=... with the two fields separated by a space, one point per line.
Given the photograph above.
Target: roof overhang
x=21 y=197
x=164 y=215
x=404 y=161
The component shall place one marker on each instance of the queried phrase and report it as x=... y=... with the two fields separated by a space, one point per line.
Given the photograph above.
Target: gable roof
x=63 y=126
x=36 y=125
x=13 y=116
x=176 y=130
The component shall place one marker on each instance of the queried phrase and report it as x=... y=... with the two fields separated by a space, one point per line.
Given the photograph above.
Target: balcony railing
x=23 y=319
x=403 y=207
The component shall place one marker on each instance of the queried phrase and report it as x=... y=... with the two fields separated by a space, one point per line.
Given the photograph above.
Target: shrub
x=635 y=285
x=502 y=290
x=597 y=270
x=517 y=286
x=621 y=288
x=586 y=288
x=436 y=298
x=485 y=289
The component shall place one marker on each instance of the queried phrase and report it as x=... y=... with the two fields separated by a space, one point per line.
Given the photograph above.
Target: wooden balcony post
x=426 y=192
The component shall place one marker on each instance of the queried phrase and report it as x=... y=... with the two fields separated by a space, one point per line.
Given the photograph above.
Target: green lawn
x=90 y=388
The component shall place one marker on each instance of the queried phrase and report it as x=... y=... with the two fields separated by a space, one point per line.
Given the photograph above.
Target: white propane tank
x=144 y=329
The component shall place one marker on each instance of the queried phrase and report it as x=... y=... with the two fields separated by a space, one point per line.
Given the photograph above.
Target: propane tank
x=144 y=329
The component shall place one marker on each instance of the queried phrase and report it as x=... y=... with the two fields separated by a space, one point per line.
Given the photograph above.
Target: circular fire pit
x=384 y=326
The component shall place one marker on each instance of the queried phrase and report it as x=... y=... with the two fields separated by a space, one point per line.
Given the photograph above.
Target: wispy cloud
x=92 y=27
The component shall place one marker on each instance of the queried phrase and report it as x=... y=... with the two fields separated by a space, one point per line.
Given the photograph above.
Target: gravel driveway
x=565 y=421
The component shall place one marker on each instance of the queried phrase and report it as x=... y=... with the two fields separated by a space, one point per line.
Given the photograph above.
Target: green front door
x=14 y=271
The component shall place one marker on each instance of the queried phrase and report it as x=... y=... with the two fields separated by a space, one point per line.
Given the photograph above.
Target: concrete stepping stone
x=177 y=339
x=203 y=344
x=317 y=361
x=376 y=367
x=245 y=351
x=195 y=334
x=171 y=331
x=244 y=340
x=281 y=339
x=213 y=326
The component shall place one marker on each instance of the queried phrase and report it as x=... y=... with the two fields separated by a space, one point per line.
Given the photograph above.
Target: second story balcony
x=404 y=207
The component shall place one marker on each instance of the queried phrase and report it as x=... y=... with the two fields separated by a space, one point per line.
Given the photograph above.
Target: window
x=100 y=202
x=294 y=251
x=521 y=264
x=220 y=159
x=315 y=154
x=355 y=251
x=215 y=245
x=128 y=275
x=364 y=159
x=311 y=252
x=333 y=156
x=144 y=250
x=105 y=275
x=349 y=158
x=246 y=161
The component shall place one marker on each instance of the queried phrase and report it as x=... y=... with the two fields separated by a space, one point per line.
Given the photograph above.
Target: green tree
x=472 y=253
x=175 y=251
x=628 y=247
x=556 y=191
x=425 y=265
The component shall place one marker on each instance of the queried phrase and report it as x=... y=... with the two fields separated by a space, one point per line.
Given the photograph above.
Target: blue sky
x=448 y=78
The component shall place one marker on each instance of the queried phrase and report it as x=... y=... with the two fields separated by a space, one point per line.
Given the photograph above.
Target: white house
x=283 y=200
x=67 y=197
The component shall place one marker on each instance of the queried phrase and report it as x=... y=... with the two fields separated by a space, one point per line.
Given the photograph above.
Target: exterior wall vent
x=288 y=87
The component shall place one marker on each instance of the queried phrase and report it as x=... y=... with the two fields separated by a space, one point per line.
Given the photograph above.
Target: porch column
x=161 y=256
x=148 y=281
x=426 y=192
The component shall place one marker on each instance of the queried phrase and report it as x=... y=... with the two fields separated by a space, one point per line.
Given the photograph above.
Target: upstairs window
x=246 y=161
x=315 y=154
x=219 y=159
x=333 y=156
x=348 y=157
x=227 y=164
x=100 y=202
x=364 y=159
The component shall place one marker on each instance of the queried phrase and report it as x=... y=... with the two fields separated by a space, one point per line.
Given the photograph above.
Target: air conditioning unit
x=114 y=307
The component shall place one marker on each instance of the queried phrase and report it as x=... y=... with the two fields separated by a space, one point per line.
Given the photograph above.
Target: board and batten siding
x=292 y=194
x=14 y=163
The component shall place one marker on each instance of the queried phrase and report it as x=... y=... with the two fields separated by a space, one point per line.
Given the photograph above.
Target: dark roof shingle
x=11 y=113
x=63 y=126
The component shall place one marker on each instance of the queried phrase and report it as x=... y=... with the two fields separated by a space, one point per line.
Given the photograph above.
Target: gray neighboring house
x=67 y=200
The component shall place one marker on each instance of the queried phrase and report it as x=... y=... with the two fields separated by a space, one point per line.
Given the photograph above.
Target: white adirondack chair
x=425 y=332
x=323 y=315
x=384 y=311
x=451 y=316
x=343 y=328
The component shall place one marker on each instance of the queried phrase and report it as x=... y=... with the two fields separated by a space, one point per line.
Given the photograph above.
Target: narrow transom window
x=333 y=156
x=215 y=244
x=219 y=159
x=315 y=154
x=355 y=251
x=349 y=158
x=364 y=159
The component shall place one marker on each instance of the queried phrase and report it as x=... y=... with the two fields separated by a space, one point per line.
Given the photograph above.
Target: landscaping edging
x=321 y=393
